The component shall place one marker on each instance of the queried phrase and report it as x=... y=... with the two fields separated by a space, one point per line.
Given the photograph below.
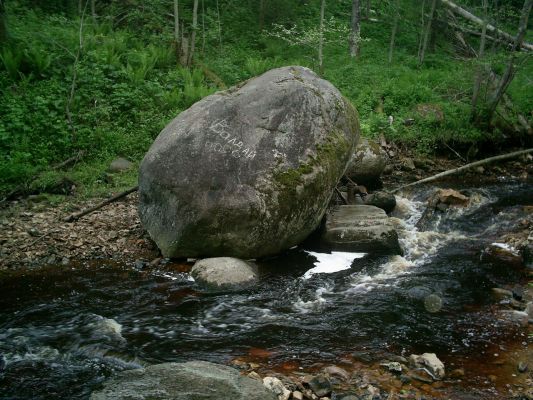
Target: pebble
x=255 y=375
x=297 y=395
x=522 y=367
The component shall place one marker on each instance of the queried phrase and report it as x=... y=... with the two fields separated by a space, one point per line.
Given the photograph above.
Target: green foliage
x=129 y=86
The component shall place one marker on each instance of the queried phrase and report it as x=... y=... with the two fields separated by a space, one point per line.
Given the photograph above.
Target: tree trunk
x=93 y=11
x=367 y=9
x=219 y=29
x=3 y=25
x=193 y=34
x=479 y=73
x=176 y=25
x=261 y=14
x=510 y=71
x=427 y=33
x=355 y=34
x=422 y=26
x=321 y=39
x=471 y=17
x=394 y=29
x=203 y=28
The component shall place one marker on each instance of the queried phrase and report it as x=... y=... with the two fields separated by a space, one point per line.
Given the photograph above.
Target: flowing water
x=65 y=330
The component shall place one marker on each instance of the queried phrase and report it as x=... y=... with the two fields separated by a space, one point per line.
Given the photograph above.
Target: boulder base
x=247 y=172
x=360 y=228
x=195 y=380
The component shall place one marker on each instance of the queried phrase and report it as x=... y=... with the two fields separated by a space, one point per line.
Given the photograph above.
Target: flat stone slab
x=360 y=228
x=194 y=380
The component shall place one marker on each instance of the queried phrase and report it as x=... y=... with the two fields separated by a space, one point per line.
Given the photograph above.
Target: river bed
x=64 y=330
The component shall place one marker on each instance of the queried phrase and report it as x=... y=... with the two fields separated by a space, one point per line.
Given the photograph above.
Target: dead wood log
x=78 y=215
x=465 y=167
x=479 y=21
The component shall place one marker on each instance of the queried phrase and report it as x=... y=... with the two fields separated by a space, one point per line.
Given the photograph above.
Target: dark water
x=64 y=330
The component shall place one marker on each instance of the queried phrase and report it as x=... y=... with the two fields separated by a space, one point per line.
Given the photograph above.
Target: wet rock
x=320 y=385
x=502 y=254
x=501 y=294
x=430 y=363
x=514 y=317
x=393 y=366
x=522 y=367
x=385 y=201
x=457 y=373
x=337 y=372
x=255 y=375
x=421 y=375
x=224 y=273
x=449 y=197
x=276 y=387
x=248 y=172
x=194 y=380
x=360 y=228
x=367 y=164
x=529 y=309
x=120 y=165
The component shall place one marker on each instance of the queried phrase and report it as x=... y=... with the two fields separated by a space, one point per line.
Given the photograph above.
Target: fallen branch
x=465 y=167
x=78 y=215
x=491 y=28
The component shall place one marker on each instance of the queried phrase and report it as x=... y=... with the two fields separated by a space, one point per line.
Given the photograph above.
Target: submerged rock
x=194 y=380
x=502 y=254
x=367 y=164
x=249 y=171
x=428 y=362
x=360 y=228
x=224 y=273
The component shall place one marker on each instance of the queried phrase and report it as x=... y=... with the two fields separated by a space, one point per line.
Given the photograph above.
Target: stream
x=64 y=330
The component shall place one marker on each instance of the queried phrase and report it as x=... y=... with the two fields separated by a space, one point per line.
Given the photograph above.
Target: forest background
x=83 y=82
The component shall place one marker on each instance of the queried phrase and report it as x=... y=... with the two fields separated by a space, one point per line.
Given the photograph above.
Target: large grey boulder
x=194 y=380
x=249 y=171
x=224 y=273
x=360 y=228
x=367 y=164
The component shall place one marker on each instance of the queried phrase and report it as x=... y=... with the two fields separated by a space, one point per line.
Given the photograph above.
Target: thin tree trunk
x=70 y=99
x=510 y=71
x=261 y=14
x=394 y=30
x=177 y=38
x=219 y=29
x=3 y=25
x=427 y=33
x=367 y=9
x=471 y=17
x=355 y=34
x=193 y=34
x=321 y=39
x=422 y=26
x=465 y=167
x=93 y=11
x=479 y=73
x=203 y=28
